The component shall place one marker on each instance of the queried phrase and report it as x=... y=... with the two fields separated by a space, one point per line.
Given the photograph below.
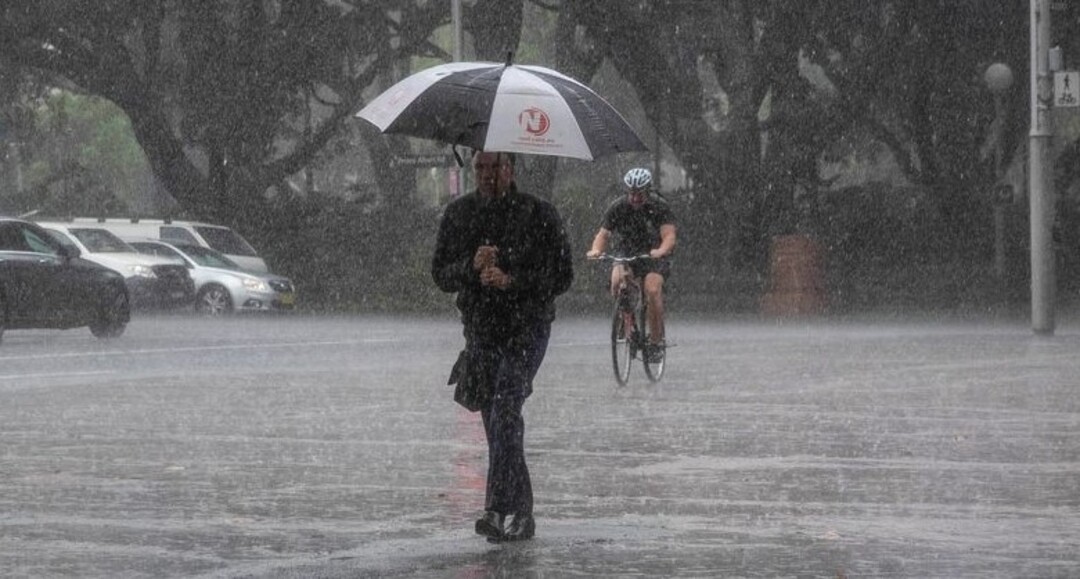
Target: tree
x=910 y=73
x=66 y=153
x=218 y=93
x=793 y=81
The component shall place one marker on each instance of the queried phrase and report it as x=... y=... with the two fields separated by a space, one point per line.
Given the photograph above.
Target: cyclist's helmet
x=638 y=178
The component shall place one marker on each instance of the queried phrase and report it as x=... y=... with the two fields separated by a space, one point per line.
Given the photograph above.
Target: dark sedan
x=46 y=285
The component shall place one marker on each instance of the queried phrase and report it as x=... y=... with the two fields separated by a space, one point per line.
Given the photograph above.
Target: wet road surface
x=313 y=447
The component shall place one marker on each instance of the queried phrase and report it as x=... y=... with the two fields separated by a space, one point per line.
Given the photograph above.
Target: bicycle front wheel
x=653 y=357
x=621 y=344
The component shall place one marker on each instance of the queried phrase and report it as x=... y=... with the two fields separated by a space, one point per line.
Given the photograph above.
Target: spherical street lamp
x=998 y=77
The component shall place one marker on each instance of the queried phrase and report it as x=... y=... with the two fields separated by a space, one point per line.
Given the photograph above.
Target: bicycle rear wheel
x=621 y=345
x=654 y=359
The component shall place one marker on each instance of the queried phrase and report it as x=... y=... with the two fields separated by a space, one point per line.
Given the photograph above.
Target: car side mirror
x=68 y=252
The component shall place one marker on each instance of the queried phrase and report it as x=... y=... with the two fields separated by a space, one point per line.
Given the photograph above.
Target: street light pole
x=1041 y=186
x=455 y=17
x=455 y=175
x=998 y=78
x=999 y=204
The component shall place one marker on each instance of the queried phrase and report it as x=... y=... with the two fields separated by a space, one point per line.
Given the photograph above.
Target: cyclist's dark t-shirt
x=637 y=230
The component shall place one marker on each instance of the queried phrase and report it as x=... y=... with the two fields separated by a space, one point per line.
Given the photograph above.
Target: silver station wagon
x=221 y=286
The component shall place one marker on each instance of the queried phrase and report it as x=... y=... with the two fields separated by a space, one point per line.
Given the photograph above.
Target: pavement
x=318 y=447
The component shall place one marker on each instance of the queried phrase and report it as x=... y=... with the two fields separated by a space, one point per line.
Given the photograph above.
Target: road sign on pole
x=422 y=161
x=1067 y=89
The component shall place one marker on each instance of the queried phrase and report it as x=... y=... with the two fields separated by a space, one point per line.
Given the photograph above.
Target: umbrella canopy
x=503 y=107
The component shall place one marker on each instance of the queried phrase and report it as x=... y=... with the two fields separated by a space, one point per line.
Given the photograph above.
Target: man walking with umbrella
x=506 y=255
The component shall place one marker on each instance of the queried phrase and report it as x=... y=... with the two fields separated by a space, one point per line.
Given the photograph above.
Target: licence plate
x=288 y=299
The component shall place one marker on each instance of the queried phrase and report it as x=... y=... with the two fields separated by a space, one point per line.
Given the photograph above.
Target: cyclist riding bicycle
x=643 y=224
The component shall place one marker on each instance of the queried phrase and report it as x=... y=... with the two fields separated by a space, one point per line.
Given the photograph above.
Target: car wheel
x=113 y=317
x=214 y=300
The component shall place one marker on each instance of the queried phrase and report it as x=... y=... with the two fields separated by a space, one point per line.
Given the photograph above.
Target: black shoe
x=654 y=353
x=522 y=528
x=490 y=525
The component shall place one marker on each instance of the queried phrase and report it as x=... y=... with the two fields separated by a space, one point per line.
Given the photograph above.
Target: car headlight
x=142 y=271
x=255 y=285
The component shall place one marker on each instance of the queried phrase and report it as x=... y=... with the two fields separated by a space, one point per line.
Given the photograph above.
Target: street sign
x=1067 y=89
x=423 y=161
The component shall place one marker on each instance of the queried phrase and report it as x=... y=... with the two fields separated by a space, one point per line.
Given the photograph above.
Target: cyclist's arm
x=667 y=241
x=599 y=243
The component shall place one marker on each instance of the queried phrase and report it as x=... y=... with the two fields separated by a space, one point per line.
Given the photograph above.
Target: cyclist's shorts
x=661 y=266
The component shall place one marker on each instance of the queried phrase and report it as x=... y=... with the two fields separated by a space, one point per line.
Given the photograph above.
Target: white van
x=217 y=237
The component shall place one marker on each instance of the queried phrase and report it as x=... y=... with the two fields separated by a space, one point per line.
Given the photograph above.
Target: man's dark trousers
x=509 y=489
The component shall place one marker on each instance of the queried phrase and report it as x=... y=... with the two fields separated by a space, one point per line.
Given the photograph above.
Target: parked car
x=44 y=284
x=152 y=282
x=222 y=286
x=217 y=237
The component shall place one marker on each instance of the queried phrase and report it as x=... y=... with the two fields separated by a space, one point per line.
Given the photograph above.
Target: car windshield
x=207 y=257
x=159 y=250
x=178 y=235
x=226 y=240
x=61 y=238
x=19 y=237
x=101 y=241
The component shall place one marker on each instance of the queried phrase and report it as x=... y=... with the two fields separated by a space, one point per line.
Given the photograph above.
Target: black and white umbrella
x=503 y=107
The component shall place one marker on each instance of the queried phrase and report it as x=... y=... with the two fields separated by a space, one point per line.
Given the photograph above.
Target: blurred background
x=822 y=157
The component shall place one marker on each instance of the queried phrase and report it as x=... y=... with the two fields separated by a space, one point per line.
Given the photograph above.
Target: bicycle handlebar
x=620 y=259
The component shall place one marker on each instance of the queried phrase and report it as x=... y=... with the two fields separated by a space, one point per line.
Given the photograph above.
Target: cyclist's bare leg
x=654 y=293
x=622 y=279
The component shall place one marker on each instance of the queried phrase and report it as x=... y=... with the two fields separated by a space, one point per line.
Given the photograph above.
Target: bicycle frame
x=630 y=331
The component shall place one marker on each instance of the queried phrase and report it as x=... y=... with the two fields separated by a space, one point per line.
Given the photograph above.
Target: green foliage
x=230 y=98
x=80 y=157
x=536 y=46
x=108 y=146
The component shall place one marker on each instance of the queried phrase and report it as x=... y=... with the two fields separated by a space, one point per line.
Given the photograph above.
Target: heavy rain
x=233 y=286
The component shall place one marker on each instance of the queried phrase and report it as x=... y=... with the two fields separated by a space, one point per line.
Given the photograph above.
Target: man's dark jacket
x=532 y=248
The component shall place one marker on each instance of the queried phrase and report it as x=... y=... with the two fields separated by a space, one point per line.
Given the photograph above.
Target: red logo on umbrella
x=534 y=121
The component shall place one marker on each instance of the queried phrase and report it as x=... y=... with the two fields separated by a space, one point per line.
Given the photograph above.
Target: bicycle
x=630 y=328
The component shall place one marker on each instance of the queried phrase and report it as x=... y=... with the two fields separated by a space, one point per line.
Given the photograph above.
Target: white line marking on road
x=53 y=375
x=196 y=349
